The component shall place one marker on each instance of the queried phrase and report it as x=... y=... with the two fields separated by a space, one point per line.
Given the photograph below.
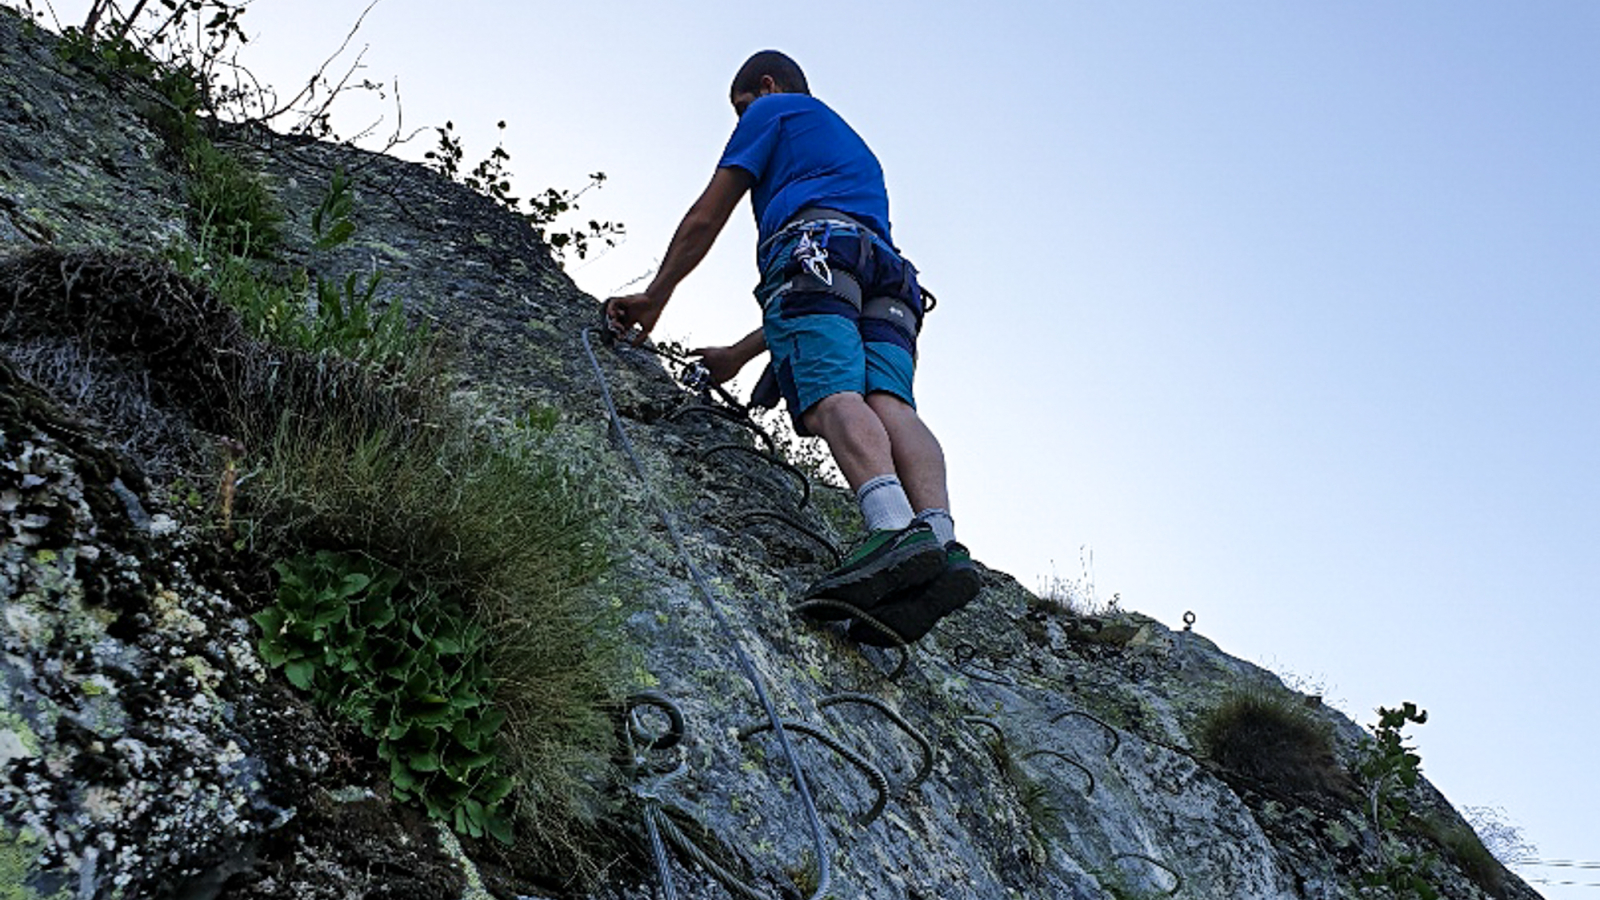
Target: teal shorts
x=817 y=353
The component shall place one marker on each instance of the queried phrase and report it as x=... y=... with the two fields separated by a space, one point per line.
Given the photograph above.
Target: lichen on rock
x=1032 y=751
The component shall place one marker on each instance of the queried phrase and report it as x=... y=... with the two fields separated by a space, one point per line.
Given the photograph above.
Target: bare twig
x=319 y=75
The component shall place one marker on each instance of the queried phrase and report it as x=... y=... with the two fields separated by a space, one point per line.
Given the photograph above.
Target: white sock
x=944 y=527
x=884 y=504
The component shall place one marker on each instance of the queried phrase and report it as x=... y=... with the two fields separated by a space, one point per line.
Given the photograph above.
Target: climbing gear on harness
x=911 y=613
x=766 y=393
x=812 y=255
x=697 y=377
x=886 y=561
x=834 y=255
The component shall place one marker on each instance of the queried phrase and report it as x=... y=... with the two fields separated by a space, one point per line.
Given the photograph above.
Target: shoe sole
x=912 y=614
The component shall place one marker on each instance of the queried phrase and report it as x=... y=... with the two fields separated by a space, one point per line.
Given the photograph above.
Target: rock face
x=1023 y=750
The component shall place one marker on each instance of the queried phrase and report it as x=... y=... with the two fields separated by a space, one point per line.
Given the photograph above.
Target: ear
x=769 y=85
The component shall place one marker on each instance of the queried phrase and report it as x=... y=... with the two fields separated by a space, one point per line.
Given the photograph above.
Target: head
x=767 y=72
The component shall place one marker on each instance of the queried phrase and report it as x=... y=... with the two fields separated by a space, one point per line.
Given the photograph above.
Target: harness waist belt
x=807 y=216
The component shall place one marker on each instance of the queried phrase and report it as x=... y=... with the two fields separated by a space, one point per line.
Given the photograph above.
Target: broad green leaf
x=401 y=776
x=500 y=827
x=300 y=673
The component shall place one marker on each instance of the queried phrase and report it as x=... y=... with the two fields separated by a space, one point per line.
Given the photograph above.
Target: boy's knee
x=888 y=405
x=830 y=409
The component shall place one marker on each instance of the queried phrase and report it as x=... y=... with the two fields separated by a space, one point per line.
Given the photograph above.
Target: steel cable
x=746 y=666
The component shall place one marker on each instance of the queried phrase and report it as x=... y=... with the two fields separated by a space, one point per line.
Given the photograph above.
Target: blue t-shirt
x=802 y=154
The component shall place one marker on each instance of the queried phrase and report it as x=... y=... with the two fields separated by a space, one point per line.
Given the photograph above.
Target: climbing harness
x=746 y=666
x=821 y=235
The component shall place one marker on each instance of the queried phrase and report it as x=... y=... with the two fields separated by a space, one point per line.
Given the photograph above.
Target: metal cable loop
x=659 y=819
x=880 y=782
x=889 y=713
x=857 y=614
x=656 y=700
x=650 y=795
x=746 y=666
x=1176 y=877
x=1116 y=737
x=988 y=723
x=785 y=519
x=805 y=483
x=1066 y=759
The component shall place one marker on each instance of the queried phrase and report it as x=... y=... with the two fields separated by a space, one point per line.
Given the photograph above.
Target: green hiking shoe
x=885 y=562
x=912 y=613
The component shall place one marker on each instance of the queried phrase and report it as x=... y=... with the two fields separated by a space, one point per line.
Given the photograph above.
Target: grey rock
x=145 y=751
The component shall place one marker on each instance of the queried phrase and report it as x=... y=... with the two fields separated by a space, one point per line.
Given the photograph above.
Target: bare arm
x=689 y=245
x=725 y=362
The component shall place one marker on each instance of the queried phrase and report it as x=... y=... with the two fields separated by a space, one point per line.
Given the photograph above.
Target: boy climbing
x=841 y=315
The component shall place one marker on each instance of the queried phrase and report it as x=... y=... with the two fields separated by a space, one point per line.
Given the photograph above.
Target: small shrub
x=1077 y=597
x=1389 y=768
x=336 y=315
x=1461 y=844
x=514 y=533
x=491 y=177
x=1273 y=739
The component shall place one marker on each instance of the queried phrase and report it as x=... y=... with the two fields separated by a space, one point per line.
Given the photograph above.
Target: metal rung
x=879 y=782
x=785 y=519
x=889 y=713
x=805 y=483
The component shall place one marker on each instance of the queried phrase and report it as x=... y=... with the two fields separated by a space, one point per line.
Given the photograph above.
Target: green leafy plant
x=405 y=665
x=492 y=178
x=338 y=315
x=507 y=524
x=230 y=209
x=500 y=533
x=1389 y=767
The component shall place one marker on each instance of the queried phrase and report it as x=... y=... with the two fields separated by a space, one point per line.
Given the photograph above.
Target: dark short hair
x=785 y=71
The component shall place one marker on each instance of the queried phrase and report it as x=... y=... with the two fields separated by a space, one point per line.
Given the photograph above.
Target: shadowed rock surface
x=1028 y=750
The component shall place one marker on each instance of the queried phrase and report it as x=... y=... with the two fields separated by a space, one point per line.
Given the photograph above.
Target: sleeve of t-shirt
x=753 y=140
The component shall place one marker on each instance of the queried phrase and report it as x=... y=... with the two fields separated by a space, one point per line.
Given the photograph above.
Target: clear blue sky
x=1289 y=311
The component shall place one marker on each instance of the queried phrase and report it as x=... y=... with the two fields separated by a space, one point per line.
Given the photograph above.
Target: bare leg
x=918 y=458
x=856 y=437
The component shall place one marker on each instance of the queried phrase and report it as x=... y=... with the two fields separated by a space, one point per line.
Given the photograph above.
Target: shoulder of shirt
x=777 y=104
